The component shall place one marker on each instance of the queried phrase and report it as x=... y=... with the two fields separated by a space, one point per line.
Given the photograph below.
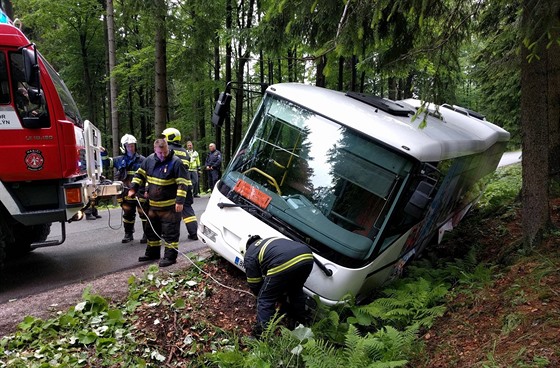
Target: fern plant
x=386 y=347
x=406 y=303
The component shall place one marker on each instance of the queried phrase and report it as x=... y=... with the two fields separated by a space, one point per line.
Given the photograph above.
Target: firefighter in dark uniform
x=275 y=268
x=213 y=166
x=173 y=137
x=166 y=191
x=125 y=166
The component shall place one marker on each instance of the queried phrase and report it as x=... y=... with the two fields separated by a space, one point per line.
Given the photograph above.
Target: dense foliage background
x=141 y=66
x=451 y=51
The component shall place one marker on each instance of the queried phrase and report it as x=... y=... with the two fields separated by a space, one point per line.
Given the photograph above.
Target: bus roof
x=452 y=136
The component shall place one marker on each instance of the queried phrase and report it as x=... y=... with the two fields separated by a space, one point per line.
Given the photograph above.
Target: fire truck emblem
x=34 y=160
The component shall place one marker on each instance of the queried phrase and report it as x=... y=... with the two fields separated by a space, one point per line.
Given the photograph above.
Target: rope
x=192 y=262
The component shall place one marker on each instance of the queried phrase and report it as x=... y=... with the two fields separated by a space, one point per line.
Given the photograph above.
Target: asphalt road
x=91 y=249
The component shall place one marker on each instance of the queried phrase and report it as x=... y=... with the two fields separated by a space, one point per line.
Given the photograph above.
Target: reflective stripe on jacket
x=125 y=166
x=195 y=161
x=273 y=256
x=167 y=180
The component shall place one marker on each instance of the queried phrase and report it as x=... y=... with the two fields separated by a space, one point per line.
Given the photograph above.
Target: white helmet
x=127 y=139
x=243 y=244
x=172 y=135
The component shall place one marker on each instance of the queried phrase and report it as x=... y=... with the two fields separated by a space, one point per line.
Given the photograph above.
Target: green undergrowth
x=384 y=332
x=94 y=333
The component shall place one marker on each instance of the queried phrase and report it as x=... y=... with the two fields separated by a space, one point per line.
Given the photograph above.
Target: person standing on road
x=167 y=180
x=213 y=166
x=173 y=137
x=276 y=267
x=194 y=169
x=125 y=166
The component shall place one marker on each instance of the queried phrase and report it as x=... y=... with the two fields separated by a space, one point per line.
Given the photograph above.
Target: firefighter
x=125 y=166
x=173 y=137
x=213 y=166
x=194 y=169
x=167 y=180
x=276 y=267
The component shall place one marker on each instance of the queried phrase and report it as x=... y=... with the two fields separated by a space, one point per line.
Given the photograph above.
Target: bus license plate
x=239 y=262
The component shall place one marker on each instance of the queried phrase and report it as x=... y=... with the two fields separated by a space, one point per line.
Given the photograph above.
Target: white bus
x=365 y=182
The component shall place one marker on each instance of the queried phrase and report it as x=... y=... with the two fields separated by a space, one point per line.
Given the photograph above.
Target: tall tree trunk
x=392 y=87
x=540 y=115
x=112 y=80
x=229 y=53
x=91 y=100
x=340 y=85
x=143 y=121
x=243 y=59
x=161 y=102
x=279 y=63
x=354 y=71
x=291 y=59
x=130 y=96
x=320 y=79
x=270 y=64
x=554 y=106
x=261 y=67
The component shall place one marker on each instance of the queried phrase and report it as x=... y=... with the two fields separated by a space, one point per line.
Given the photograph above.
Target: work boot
x=152 y=253
x=167 y=262
x=147 y=258
x=127 y=238
x=169 y=257
x=193 y=237
x=90 y=217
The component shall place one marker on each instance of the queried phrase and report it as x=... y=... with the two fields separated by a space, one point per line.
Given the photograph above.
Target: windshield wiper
x=250 y=207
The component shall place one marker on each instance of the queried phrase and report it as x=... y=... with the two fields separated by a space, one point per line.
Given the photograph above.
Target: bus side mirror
x=420 y=199
x=30 y=67
x=221 y=109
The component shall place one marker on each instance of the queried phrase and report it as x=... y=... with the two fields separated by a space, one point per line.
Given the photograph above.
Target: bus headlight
x=209 y=233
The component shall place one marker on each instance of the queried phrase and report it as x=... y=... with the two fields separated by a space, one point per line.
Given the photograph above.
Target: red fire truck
x=50 y=162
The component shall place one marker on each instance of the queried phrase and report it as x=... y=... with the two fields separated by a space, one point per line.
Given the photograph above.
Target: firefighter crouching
x=166 y=190
x=277 y=267
x=173 y=138
x=125 y=166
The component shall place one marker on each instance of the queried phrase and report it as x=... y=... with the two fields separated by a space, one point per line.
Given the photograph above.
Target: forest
x=141 y=66
x=138 y=67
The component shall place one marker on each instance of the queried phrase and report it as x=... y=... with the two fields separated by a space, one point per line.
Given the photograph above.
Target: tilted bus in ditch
x=366 y=182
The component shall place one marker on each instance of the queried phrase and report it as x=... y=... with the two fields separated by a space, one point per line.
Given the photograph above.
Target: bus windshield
x=329 y=182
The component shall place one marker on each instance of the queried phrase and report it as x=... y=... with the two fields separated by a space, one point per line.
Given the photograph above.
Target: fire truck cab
x=50 y=162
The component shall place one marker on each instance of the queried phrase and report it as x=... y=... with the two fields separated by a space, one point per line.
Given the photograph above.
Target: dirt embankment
x=44 y=305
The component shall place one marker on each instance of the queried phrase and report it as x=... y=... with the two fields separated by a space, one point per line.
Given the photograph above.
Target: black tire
x=3 y=242
x=25 y=236
x=2 y=250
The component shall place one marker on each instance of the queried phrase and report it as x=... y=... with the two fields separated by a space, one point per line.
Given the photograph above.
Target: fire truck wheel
x=2 y=250
x=3 y=237
x=25 y=236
